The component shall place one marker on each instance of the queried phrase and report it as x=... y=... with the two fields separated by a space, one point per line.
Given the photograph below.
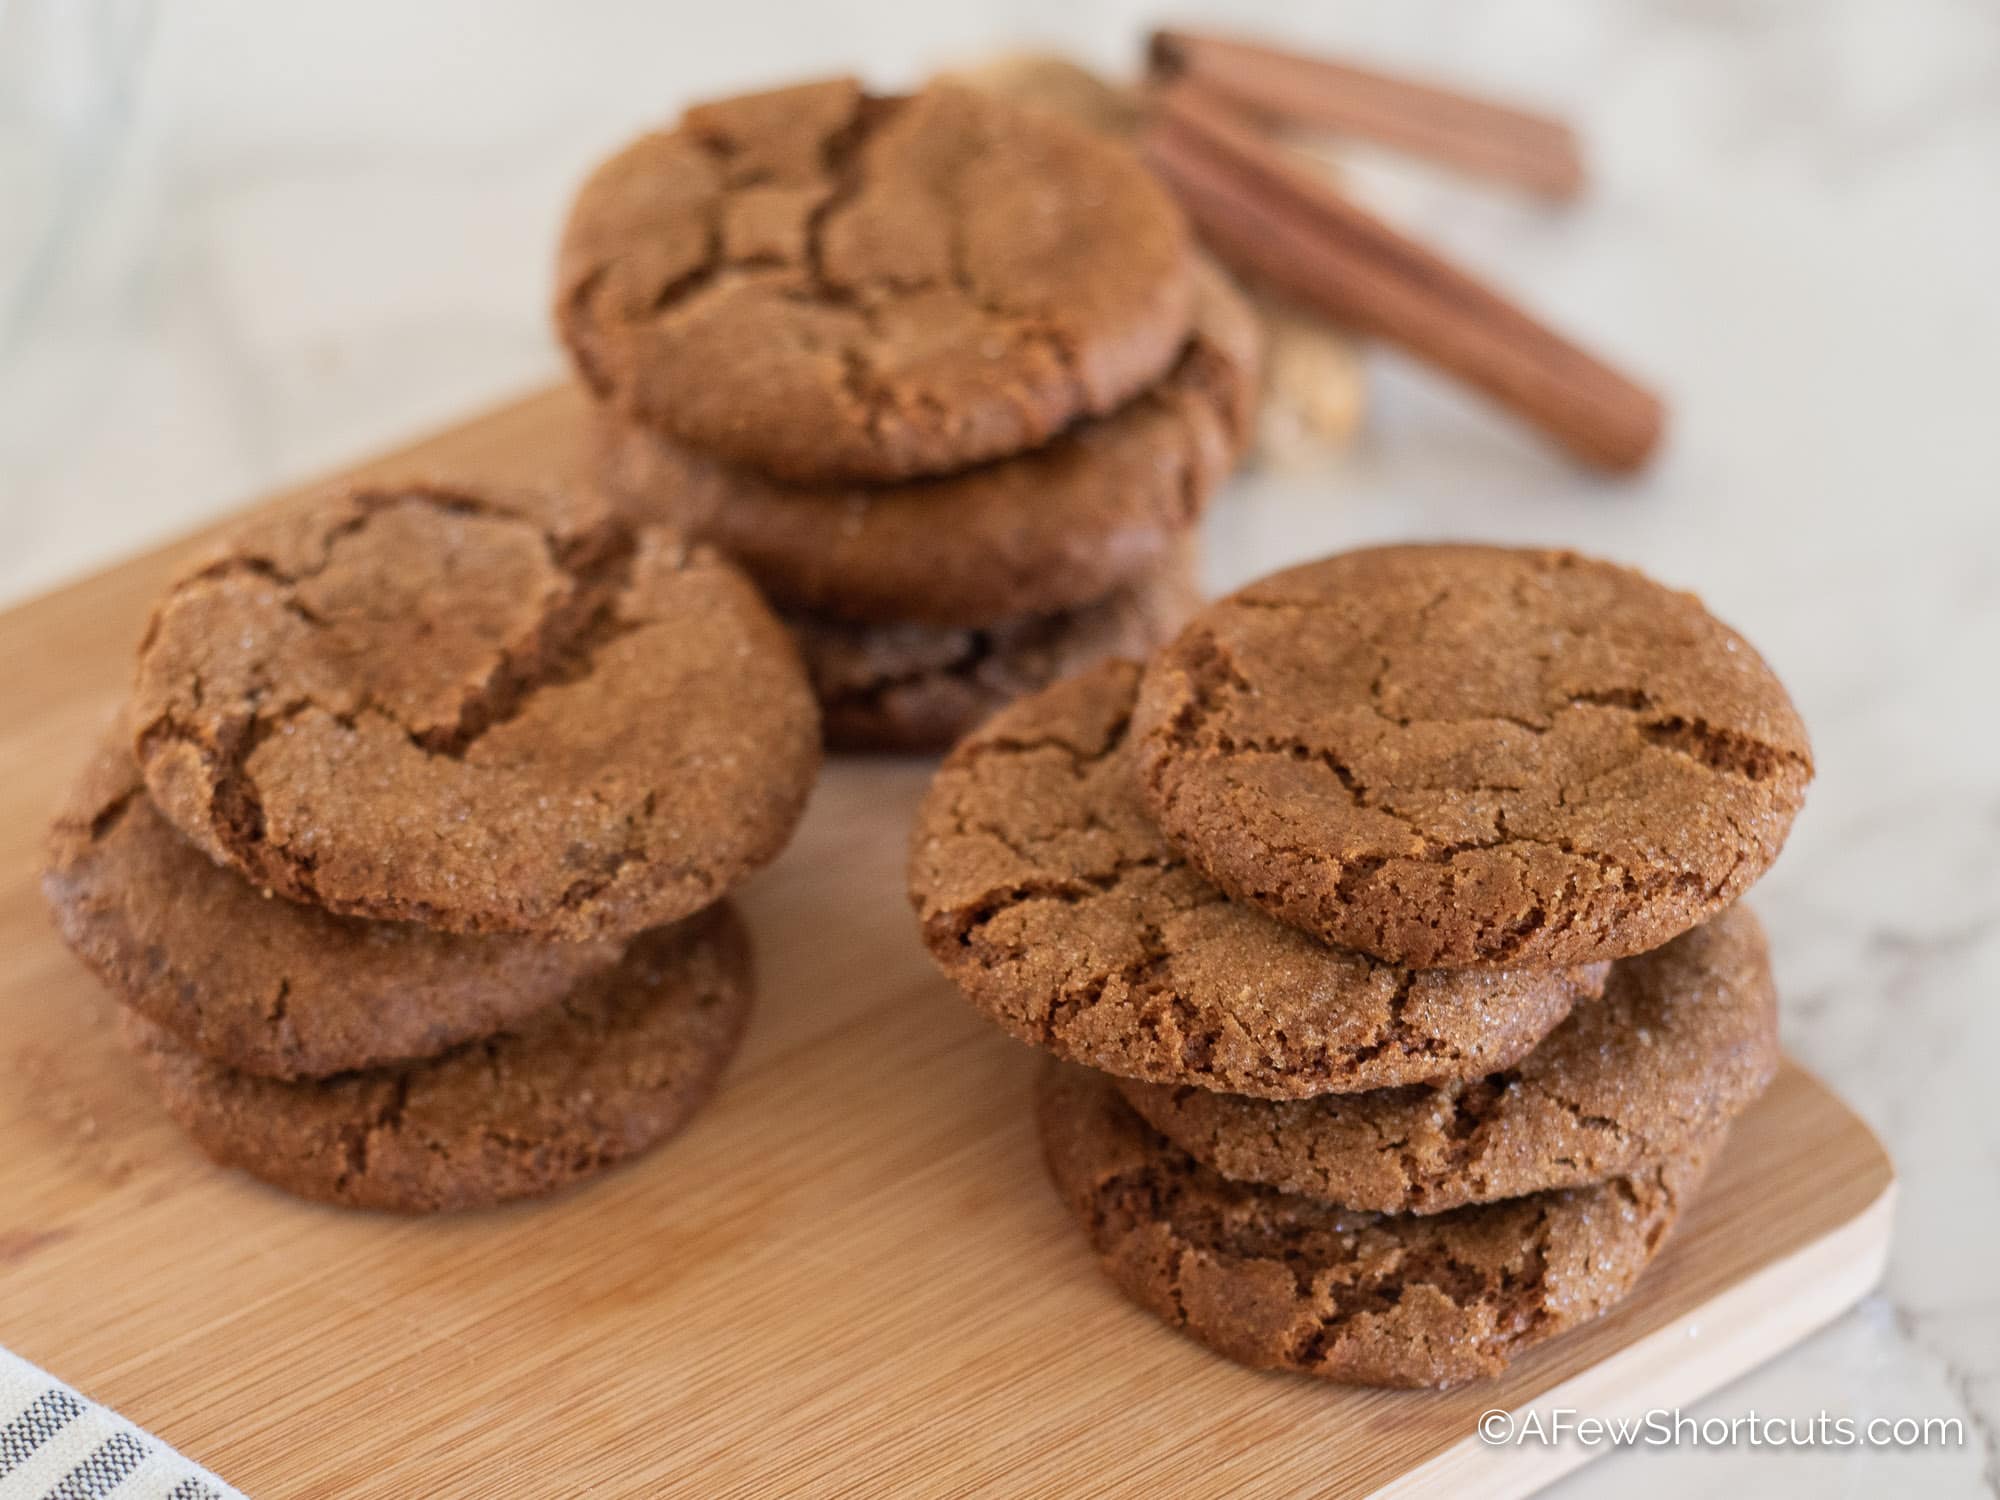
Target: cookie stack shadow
x=943 y=375
x=408 y=859
x=1383 y=930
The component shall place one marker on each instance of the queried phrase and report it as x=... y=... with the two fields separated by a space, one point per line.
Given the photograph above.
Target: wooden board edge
x=1736 y=1330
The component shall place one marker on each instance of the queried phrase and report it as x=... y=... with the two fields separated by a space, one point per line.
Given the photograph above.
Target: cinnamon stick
x=1272 y=219
x=1473 y=135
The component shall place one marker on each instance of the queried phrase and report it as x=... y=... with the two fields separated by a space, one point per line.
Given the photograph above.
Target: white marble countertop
x=245 y=242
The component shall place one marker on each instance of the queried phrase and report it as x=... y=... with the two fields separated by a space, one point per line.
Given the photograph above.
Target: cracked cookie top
x=1277 y=1281
x=612 y=1067
x=272 y=987
x=1053 y=529
x=478 y=711
x=1685 y=1038
x=1453 y=756
x=1048 y=896
x=826 y=285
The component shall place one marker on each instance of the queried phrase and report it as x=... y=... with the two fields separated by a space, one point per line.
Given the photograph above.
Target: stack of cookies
x=407 y=857
x=1384 y=927
x=943 y=375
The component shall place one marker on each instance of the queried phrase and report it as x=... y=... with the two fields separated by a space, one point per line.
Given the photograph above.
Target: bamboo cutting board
x=847 y=1277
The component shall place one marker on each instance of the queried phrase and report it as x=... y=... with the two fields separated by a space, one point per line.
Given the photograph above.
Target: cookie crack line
x=1141 y=977
x=1433 y=851
x=597 y=561
x=1357 y=869
x=1461 y=1159
x=110 y=814
x=1626 y=1112
x=840 y=155
x=1339 y=1307
x=1211 y=668
x=582 y=892
x=580 y=306
x=962 y=923
x=367 y=505
x=236 y=810
x=359 y=1137
x=1395 y=1031
x=843 y=169
x=1721 y=750
x=844 y=155
x=561 y=648
x=1081 y=759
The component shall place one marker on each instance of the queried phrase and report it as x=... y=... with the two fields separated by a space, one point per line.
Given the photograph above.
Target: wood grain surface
x=849 y=1275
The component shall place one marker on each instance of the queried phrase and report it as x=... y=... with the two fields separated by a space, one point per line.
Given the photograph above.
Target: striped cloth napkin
x=58 y=1445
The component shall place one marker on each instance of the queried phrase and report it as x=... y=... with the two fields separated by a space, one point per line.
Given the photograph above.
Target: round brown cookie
x=1685 y=1038
x=1463 y=755
x=1050 y=899
x=825 y=285
x=1094 y=509
x=614 y=1067
x=1277 y=1281
x=272 y=987
x=919 y=688
x=485 y=713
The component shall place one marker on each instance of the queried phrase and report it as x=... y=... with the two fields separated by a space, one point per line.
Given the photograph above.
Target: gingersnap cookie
x=613 y=1067
x=1049 y=898
x=1277 y=1281
x=1093 y=510
x=1685 y=1038
x=912 y=689
x=266 y=986
x=826 y=285
x=482 y=712
x=1464 y=755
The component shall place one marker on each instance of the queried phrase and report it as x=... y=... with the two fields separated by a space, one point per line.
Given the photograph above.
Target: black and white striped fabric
x=57 y=1445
